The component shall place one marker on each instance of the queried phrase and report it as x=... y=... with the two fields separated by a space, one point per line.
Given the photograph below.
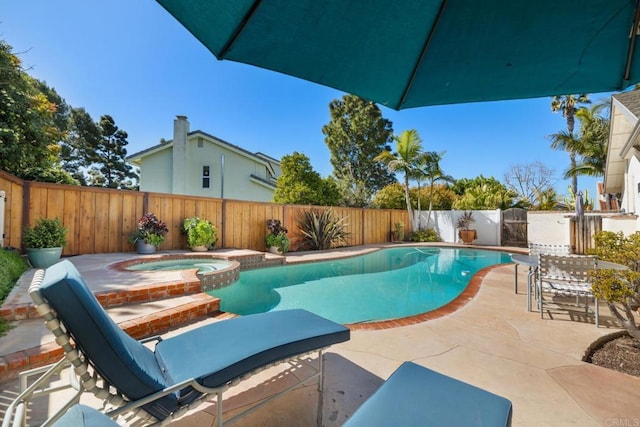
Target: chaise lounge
x=417 y=396
x=180 y=371
x=412 y=396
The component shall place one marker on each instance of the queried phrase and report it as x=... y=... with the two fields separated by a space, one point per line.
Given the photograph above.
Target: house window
x=206 y=179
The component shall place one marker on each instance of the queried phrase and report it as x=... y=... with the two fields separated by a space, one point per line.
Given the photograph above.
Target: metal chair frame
x=566 y=275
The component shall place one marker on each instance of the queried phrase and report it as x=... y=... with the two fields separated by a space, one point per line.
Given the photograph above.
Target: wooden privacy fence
x=582 y=231
x=99 y=220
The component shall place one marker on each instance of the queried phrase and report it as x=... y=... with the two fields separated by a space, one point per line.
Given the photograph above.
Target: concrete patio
x=492 y=342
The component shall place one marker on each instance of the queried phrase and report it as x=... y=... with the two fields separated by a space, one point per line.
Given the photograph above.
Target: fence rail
x=99 y=220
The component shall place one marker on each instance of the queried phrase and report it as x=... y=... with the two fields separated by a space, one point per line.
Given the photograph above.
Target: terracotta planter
x=467 y=236
x=201 y=248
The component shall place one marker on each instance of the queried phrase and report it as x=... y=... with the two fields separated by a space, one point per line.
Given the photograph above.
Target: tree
x=529 y=181
x=405 y=160
x=429 y=168
x=439 y=197
x=461 y=185
x=392 y=196
x=107 y=157
x=483 y=193
x=356 y=133
x=75 y=151
x=546 y=200
x=31 y=123
x=567 y=105
x=589 y=143
x=300 y=184
x=594 y=140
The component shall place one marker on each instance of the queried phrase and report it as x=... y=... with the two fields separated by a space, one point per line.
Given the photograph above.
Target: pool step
x=113 y=298
x=19 y=352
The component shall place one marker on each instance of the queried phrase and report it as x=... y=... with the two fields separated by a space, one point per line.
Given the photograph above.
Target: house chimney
x=179 y=176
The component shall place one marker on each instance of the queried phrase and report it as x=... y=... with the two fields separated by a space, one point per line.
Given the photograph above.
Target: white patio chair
x=544 y=248
x=536 y=249
x=567 y=276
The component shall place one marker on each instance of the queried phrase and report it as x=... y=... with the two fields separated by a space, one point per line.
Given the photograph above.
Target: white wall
x=550 y=228
x=628 y=224
x=631 y=196
x=487 y=224
x=553 y=228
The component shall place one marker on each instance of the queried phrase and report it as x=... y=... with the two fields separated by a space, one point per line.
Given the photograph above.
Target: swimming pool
x=386 y=284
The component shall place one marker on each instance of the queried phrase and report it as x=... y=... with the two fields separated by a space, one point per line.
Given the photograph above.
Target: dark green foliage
x=322 y=230
x=31 y=119
x=277 y=236
x=12 y=265
x=107 y=157
x=74 y=150
x=355 y=135
x=150 y=230
x=46 y=233
x=428 y=235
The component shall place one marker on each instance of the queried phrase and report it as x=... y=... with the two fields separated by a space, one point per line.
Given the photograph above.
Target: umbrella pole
x=632 y=42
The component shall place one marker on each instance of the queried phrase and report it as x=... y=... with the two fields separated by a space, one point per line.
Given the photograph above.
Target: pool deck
x=491 y=341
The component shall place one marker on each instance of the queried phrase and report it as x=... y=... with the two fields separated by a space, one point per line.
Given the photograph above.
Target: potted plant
x=467 y=234
x=277 y=241
x=397 y=235
x=200 y=233
x=149 y=234
x=44 y=242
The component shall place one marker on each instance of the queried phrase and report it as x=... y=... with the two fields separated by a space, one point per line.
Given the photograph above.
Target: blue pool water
x=386 y=284
x=204 y=265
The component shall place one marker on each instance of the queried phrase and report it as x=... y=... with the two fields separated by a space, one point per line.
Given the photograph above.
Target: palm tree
x=404 y=160
x=429 y=168
x=568 y=105
x=590 y=143
x=594 y=140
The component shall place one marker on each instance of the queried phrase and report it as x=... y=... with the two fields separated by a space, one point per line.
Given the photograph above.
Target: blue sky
x=132 y=60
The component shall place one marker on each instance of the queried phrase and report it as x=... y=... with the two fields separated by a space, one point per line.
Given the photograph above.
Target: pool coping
x=470 y=291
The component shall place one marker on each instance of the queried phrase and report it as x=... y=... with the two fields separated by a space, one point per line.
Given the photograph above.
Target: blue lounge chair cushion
x=124 y=362
x=212 y=354
x=218 y=353
x=81 y=415
x=417 y=396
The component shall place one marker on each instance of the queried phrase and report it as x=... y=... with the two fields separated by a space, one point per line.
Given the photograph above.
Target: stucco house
x=198 y=164
x=622 y=172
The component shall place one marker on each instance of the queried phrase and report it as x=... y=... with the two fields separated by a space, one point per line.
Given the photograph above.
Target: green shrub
x=321 y=230
x=12 y=266
x=428 y=235
x=620 y=288
x=200 y=232
x=46 y=233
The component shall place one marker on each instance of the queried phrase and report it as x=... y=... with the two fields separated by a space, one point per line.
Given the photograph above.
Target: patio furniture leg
x=515 y=279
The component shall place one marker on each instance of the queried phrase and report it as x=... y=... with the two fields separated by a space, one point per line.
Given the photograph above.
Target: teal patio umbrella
x=411 y=53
